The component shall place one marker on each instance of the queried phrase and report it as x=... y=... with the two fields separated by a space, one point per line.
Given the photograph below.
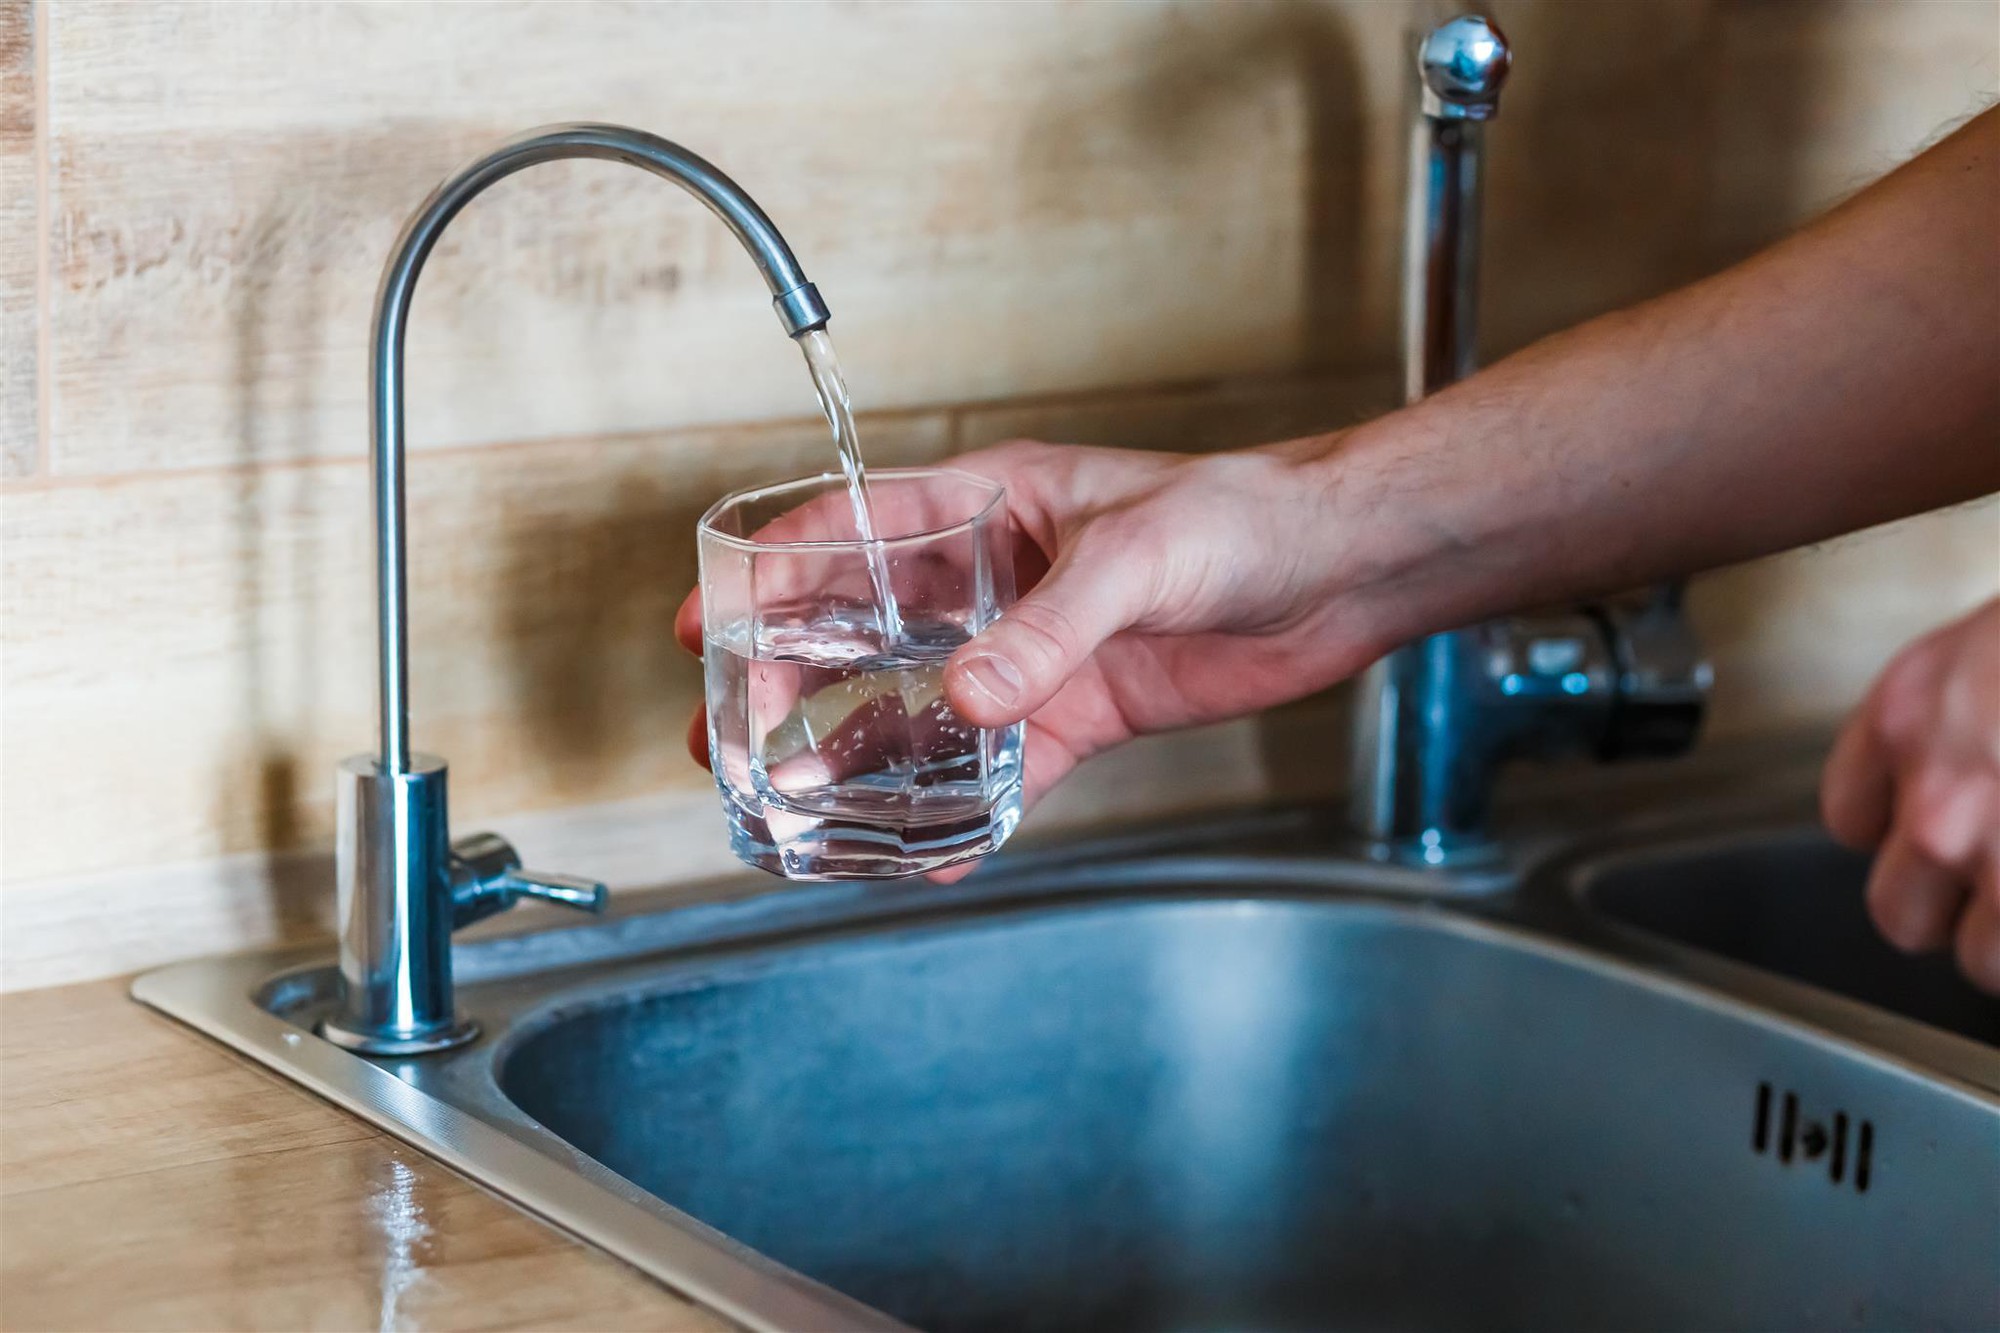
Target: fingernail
x=993 y=676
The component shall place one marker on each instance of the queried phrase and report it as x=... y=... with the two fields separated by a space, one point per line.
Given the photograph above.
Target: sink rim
x=520 y=1159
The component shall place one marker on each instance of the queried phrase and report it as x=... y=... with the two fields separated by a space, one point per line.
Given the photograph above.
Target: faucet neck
x=798 y=303
x=1461 y=66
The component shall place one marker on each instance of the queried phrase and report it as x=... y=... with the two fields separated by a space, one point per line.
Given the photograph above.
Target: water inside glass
x=835 y=748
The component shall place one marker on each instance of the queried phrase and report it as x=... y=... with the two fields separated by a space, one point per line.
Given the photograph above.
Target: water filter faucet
x=403 y=884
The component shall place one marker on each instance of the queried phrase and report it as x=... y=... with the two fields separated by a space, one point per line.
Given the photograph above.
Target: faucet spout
x=403 y=884
x=800 y=310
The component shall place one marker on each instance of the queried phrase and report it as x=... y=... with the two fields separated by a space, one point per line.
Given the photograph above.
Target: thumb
x=1017 y=664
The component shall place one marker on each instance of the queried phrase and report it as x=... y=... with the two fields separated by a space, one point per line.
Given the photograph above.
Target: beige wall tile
x=1797 y=638
x=185 y=688
x=995 y=198
x=998 y=199
x=1817 y=100
x=1642 y=145
x=18 y=250
x=1227 y=416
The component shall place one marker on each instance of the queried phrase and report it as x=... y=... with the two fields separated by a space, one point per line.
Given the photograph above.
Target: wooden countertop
x=150 y=1178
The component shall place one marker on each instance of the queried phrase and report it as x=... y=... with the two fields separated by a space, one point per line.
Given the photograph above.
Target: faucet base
x=1428 y=851
x=364 y=1043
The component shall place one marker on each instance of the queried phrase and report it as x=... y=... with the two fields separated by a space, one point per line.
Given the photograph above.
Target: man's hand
x=1160 y=591
x=1163 y=591
x=1916 y=776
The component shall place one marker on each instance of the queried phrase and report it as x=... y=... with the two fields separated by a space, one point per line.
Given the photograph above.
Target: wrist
x=1384 y=537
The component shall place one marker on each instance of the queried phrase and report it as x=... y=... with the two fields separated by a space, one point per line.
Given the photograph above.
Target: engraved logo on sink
x=1844 y=1143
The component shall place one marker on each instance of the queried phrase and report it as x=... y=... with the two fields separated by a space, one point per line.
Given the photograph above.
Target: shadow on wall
x=586 y=598
x=1251 y=50
x=1605 y=183
x=288 y=265
x=282 y=240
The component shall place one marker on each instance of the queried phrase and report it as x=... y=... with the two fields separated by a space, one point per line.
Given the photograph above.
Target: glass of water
x=836 y=752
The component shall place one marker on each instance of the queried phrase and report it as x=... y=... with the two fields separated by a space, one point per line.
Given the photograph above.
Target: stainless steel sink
x=1176 y=1085
x=1792 y=901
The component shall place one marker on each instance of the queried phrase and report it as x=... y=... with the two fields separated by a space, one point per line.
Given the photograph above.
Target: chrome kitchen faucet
x=1435 y=719
x=403 y=884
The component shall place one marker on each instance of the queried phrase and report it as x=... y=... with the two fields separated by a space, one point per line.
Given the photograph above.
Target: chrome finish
x=1179 y=1084
x=486 y=877
x=1663 y=680
x=801 y=310
x=1436 y=719
x=392 y=880
x=1461 y=65
x=1455 y=707
x=398 y=903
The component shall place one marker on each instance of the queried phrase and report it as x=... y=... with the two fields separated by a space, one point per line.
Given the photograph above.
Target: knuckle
x=1907 y=698
x=1046 y=631
x=1124 y=535
x=1923 y=802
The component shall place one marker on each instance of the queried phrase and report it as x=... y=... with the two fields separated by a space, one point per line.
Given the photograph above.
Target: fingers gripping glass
x=832 y=742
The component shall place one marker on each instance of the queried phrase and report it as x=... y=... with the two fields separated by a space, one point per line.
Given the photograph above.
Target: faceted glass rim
x=996 y=496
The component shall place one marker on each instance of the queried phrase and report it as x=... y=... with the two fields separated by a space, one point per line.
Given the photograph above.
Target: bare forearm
x=1847 y=376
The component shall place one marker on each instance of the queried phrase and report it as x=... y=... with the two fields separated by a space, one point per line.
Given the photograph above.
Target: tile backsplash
x=1155 y=223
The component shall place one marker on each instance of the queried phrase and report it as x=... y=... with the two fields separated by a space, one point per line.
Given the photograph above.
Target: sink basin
x=1793 y=902
x=1272 y=1114
x=1184 y=1090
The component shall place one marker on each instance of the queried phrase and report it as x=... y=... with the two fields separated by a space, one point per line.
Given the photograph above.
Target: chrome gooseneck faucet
x=403 y=884
x=1435 y=719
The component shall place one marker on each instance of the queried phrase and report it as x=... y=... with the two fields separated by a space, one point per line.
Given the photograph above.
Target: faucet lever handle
x=1663 y=680
x=576 y=891
x=486 y=877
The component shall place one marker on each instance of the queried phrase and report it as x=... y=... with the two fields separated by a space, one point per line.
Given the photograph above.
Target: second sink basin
x=1790 y=901
x=1251 y=1109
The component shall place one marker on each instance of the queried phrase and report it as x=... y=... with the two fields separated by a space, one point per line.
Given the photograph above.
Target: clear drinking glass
x=836 y=752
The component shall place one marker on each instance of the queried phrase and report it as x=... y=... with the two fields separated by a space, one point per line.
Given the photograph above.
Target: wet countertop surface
x=149 y=1178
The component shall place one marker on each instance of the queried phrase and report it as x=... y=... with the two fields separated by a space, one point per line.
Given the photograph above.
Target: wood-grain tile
x=1814 y=101
x=19 y=253
x=995 y=199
